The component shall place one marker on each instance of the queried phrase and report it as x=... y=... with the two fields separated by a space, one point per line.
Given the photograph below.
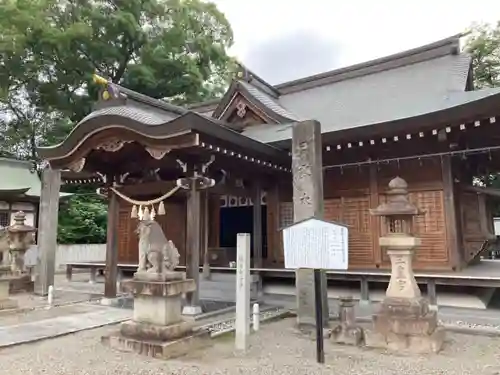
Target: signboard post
x=318 y=245
x=318 y=302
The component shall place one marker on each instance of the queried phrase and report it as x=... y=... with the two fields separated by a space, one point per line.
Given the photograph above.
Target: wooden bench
x=94 y=268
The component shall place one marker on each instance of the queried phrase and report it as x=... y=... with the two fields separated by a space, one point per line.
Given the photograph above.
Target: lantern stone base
x=5 y=302
x=406 y=325
x=20 y=283
x=157 y=328
x=347 y=332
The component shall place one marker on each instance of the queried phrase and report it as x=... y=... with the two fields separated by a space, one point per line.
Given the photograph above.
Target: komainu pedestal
x=403 y=321
x=158 y=329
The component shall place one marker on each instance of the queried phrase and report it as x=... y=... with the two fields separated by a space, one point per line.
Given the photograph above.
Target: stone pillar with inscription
x=47 y=230
x=307 y=169
x=404 y=321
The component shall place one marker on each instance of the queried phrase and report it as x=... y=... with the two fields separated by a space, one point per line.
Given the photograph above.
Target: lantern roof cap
x=19 y=225
x=397 y=203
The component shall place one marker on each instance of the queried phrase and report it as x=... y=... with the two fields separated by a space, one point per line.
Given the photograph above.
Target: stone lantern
x=398 y=214
x=20 y=239
x=403 y=321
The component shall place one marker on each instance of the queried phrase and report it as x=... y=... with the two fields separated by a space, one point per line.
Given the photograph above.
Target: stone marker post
x=242 y=291
x=47 y=230
x=307 y=168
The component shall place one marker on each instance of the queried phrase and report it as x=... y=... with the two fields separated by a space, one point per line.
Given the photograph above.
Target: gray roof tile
x=135 y=111
x=268 y=101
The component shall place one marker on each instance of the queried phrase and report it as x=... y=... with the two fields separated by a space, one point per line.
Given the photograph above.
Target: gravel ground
x=276 y=349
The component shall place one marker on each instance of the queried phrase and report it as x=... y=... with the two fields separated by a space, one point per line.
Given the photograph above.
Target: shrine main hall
x=211 y=170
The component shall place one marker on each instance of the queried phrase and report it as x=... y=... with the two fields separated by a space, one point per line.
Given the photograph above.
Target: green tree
x=483 y=44
x=49 y=49
x=83 y=218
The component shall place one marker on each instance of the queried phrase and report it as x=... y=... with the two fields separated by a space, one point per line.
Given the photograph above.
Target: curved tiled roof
x=268 y=101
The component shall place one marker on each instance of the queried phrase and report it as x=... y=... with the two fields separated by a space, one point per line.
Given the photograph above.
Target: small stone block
x=191 y=310
x=347 y=335
x=153 y=332
x=8 y=304
x=160 y=349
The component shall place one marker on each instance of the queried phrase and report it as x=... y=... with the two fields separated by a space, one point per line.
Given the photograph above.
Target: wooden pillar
x=193 y=231
x=205 y=215
x=374 y=220
x=274 y=241
x=213 y=220
x=451 y=222
x=111 y=270
x=307 y=168
x=257 y=226
x=47 y=230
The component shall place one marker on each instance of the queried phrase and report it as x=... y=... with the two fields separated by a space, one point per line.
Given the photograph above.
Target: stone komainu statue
x=156 y=253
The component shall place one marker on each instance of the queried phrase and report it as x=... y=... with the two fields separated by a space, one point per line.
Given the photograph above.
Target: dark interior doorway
x=234 y=220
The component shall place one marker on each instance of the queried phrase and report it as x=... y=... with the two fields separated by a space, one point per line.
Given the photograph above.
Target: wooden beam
x=111 y=270
x=482 y=190
x=450 y=213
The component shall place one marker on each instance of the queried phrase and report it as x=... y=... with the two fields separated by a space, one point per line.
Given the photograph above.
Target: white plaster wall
x=23 y=206
x=70 y=254
x=496 y=222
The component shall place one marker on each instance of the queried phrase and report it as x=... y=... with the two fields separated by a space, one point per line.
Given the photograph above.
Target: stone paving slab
x=54 y=327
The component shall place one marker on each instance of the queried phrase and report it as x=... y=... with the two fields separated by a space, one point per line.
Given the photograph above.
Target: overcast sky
x=281 y=40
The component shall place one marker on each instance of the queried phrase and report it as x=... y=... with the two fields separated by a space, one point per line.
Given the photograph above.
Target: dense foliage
x=82 y=218
x=49 y=49
x=483 y=45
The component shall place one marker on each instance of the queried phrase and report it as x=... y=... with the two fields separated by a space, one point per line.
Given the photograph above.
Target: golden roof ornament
x=110 y=91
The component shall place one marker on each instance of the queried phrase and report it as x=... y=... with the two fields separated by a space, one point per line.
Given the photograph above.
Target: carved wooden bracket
x=77 y=166
x=241 y=109
x=158 y=153
x=112 y=145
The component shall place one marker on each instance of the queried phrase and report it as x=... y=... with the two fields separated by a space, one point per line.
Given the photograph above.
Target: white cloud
x=270 y=34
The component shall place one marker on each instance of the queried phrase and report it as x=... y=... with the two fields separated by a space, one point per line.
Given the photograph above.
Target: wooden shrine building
x=414 y=114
